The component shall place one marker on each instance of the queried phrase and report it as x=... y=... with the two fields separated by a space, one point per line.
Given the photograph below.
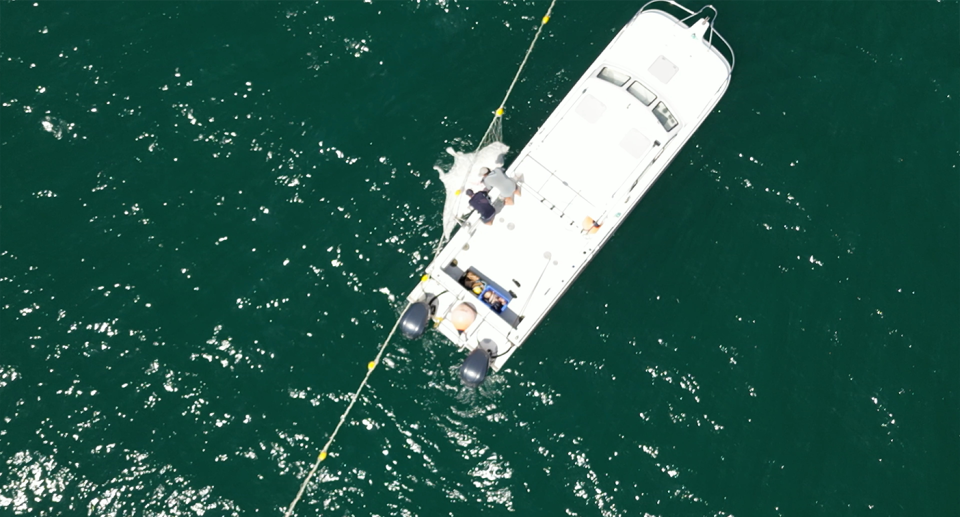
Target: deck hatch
x=591 y=109
x=557 y=192
x=532 y=174
x=663 y=69
x=635 y=143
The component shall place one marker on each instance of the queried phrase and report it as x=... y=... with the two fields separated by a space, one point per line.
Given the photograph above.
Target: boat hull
x=583 y=172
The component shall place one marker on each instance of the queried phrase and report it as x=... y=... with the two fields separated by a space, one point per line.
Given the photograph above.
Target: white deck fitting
x=595 y=156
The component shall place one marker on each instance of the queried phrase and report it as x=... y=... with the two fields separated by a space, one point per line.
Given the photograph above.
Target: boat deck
x=601 y=149
x=528 y=254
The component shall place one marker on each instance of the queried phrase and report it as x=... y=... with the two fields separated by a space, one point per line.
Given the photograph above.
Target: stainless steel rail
x=695 y=14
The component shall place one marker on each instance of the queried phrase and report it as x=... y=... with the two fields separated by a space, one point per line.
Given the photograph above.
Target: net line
x=343 y=418
x=495 y=129
x=494 y=133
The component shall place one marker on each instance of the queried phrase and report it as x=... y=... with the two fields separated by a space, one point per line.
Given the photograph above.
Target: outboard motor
x=413 y=323
x=474 y=368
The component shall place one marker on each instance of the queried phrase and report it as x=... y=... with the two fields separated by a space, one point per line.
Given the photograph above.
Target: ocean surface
x=211 y=212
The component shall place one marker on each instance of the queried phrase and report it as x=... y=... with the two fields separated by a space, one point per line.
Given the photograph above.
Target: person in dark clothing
x=480 y=202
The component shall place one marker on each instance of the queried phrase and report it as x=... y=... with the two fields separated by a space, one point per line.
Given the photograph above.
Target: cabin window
x=641 y=93
x=667 y=120
x=613 y=76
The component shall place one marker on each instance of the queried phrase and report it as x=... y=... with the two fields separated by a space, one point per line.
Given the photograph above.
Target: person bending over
x=498 y=179
x=480 y=201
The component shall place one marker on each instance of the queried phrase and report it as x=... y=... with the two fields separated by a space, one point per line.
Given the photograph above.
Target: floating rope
x=499 y=113
x=343 y=418
x=494 y=134
x=495 y=129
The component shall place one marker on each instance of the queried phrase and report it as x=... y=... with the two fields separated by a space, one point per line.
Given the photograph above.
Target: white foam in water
x=466 y=166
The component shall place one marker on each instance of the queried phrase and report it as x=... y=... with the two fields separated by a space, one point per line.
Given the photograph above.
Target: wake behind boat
x=530 y=230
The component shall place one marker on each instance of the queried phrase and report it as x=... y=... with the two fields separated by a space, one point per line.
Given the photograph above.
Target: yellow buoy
x=371 y=365
x=322 y=456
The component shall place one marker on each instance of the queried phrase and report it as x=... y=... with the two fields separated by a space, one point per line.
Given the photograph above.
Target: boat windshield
x=667 y=120
x=613 y=76
x=641 y=93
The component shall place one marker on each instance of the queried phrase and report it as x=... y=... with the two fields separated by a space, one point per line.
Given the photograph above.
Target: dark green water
x=204 y=206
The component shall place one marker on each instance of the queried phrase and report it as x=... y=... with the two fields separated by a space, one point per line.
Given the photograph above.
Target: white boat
x=579 y=177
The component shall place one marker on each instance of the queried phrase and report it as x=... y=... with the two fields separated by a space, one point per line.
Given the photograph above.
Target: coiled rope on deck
x=494 y=134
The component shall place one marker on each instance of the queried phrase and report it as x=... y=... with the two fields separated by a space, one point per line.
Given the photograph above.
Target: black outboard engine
x=413 y=323
x=474 y=368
